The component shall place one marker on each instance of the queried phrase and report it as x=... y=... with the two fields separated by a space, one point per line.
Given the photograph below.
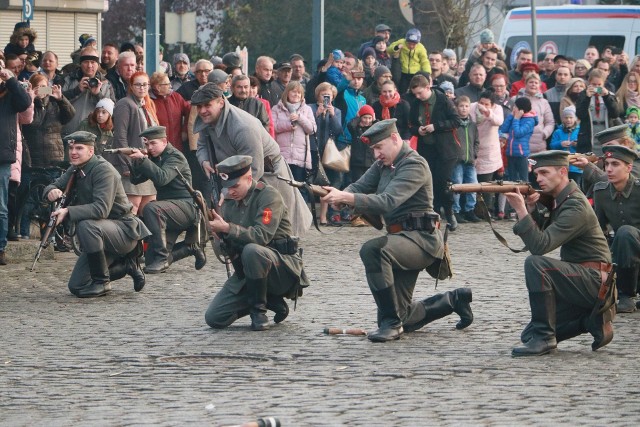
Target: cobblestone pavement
x=149 y=358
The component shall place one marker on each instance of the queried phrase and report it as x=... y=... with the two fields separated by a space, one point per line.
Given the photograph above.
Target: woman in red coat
x=171 y=108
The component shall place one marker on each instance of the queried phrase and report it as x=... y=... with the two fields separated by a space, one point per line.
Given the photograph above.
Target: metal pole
x=534 y=31
x=152 y=38
x=317 y=32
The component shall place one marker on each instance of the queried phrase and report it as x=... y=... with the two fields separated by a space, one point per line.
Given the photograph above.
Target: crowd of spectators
x=473 y=119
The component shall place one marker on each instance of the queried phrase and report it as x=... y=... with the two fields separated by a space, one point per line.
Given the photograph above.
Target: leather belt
x=398 y=227
x=603 y=267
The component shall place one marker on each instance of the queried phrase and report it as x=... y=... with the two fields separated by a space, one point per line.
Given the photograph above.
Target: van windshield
x=573 y=46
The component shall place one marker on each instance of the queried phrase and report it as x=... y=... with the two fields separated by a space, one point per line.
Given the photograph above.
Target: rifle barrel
x=506 y=187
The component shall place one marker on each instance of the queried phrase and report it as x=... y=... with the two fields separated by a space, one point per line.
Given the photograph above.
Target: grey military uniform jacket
x=571 y=225
x=260 y=218
x=397 y=191
x=161 y=171
x=238 y=132
x=98 y=194
x=617 y=209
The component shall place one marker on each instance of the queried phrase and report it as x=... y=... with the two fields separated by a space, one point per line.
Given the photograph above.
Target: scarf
x=292 y=107
x=388 y=103
x=633 y=98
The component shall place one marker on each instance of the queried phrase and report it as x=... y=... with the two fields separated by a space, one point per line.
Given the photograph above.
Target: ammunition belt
x=416 y=221
x=286 y=246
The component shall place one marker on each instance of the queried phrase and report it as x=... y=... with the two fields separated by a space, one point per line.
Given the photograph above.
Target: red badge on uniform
x=266 y=216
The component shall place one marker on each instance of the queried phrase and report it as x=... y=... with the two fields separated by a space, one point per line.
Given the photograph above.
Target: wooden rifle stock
x=589 y=156
x=317 y=190
x=493 y=187
x=124 y=150
x=62 y=202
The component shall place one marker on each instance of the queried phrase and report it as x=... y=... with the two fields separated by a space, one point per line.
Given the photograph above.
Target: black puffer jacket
x=43 y=135
x=13 y=100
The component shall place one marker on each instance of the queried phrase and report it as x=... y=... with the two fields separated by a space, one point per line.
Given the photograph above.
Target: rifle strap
x=487 y=216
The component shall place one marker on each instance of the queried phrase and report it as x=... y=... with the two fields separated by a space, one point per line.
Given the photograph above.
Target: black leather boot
x=565 y=331
x=390 y=324
x=182 y=250
x=99 y=270
x=135 y=271
x=626 y=282
x=441 y=305
x=451 y=219
x=157 y=264
x=543 y=326
x=257 y=294
x=279 y=306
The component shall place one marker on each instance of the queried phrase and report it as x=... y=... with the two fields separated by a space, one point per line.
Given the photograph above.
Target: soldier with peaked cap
x=562 y=293
x=617 y=205
x=174 y=210
x=226 y=131
x=258 y=238
x=398 y=186
x=109 y=234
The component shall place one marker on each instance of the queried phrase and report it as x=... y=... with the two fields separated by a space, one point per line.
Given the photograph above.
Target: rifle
x=124 y=150
x=589 y=156
x=62 y=203
x=317 y=190
x=198 y=199
x=502 y=187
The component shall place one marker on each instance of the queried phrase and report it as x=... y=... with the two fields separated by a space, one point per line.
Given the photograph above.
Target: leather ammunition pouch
x=287 y=246
x=416 y=221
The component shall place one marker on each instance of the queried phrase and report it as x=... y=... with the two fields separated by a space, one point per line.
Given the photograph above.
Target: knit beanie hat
x=569 y=111
x=633 y=110
x=447 y=86
x=369 y=51
x=107 y=104
x=337 y=55
x=380 y=71
x=486 y=36
x=449 y=53
x=366 y=110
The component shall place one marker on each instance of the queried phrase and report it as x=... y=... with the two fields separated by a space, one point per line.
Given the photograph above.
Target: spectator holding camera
x=596 y=109
x=84 y=87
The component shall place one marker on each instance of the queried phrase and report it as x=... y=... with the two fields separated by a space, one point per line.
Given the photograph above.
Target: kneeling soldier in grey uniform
x=256 y=231
x=399 y=187
x=173 y=211
x=562 y=293
x=108 y=232
x=617 y=204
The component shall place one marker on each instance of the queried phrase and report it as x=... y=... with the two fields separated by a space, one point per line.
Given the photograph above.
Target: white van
x=570 y=29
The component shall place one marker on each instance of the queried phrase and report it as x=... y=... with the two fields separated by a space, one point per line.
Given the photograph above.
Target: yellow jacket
x=412 y=60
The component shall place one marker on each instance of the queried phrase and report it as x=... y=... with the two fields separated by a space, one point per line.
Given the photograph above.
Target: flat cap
x=81 y=137
x=549 y=158
x=154 y=132
x=283 y=65
x=620 y=152
x=232 y=169
x=206 y=93
x=232 y=60
x=379 y=131
x=217 y=76
x=382 y=27
x=611 y=134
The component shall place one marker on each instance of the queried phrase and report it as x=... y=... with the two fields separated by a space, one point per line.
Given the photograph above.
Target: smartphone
x=44 y=90
x=326 y=99
x=598 y=90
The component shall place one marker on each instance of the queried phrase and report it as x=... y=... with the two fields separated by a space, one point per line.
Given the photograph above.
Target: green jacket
x=617 y=209
x=394 y=192
x=161 y=171
x=98 y=194
x=573 y=227
x=260 y=218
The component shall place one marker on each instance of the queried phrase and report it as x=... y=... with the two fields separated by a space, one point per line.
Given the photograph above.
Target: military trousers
x=232 y=301
x=575 y=287
x=395 y=261
x=625 y=247
x=95 y=236
x=166 y=219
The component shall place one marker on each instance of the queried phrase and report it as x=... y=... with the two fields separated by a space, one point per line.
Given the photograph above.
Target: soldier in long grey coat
x=108 y=232
x=226 y=131
x=399 y=187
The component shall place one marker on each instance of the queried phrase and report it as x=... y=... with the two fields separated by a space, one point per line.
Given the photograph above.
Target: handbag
x=335 y=159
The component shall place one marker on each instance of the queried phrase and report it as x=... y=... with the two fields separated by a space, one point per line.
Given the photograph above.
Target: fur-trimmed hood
x=24 y=31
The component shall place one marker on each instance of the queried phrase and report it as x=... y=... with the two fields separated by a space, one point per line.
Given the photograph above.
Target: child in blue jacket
x=517 y=129
x=565 y=138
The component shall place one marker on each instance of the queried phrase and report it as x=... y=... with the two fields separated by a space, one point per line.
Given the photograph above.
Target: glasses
x=203 y=71
x=141 y=85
